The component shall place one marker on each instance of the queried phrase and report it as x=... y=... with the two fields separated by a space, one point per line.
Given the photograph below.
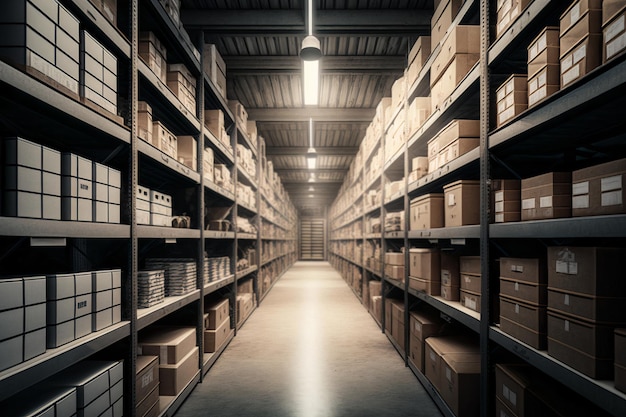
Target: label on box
x=616 y=45
x=580 y=53
x=611 y=183
x=575 y=13
x=528 y=203
x=580 y=201
x=448 y=374
x=571 y=75
x=499 y=196
x=566 y=326
x=451 y=200
x=567 y=62
x=517 y=286
x=470 y=303
x=516 y=308
x=545 y=202
x=567 y=267
x=539 y=94
x=580 y=188
x=612 y=198
x=499 y=206
x=614 y=29
x=566 y=300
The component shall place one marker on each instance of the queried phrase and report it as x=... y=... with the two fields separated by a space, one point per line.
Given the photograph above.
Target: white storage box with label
x=160 y=209
x=69 y=307
x=106 y=295
x=99 y=73
x=143 y=205
x=76 y=188
x=164 y=139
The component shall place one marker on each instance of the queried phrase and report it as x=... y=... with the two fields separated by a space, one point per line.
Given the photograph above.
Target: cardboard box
x=170 y=344
x=470 y=300
x=523 y=269
x=506 y=202
x=531 y=293
x=144 y=121
x=508 y=13
x=614 y=37
x=511 y=98
x=586 y=307
x=543 y=51
x=188 y=151
x=516 y=387
x=461 y=40
x=427 y=212
x=218 y=312
x=470 y=282
x=215 y=68
x=460 y=383
x=173 y=378
x=394 y=258
x=586 y=270
x=164 y=139
x=442 y=18
x=530 y=317
x=451 y=77
x=462 y=203
x=543 y=84
x=584 y=346
x=547 y=196
x=394 y=272
x=450 y=275
x=583 y=58
x=581 y=19
x=424 y=264
x=375 y=288
x=147 y=377
x=436 y=348
x=416 y=352
x=214 y=121
x=462 y=132
x=450 y=292
x=418 y=55
x=214 y=339
x=240 y=113
x=154 y=53
x=599 y=189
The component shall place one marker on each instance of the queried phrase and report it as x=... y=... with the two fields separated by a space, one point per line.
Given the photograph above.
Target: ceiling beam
x=266 y=65
x=385 y=22
x=302 y=114
x=288 y=181
x=287 y=171
x=302 y=150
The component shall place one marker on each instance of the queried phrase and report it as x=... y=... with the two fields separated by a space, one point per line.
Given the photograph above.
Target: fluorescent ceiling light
x=311 y=188
x=311 y=82
x=312 y=177
x=311 y=158
x=310 y=195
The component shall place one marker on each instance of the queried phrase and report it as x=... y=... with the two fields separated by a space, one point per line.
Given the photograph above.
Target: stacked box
x=580 y=39
x=160 y=209
x=418 y=55
x=69 y=307
x=76 y=188
x=450 y=276
x=98 y=73
x=585 y=305
x=187 y=151
x=507 y=12
x=427 y=212
x=245 y=304
x=398 y=93
x=419 y=168
x=613 y=28
x=523 y=300
x=454 y=140
x=421 y=327
x=183 y=85
x=397 y=322
x=150 y=288
x=172 y=7
x=252 y=133
x=44 y=37
x=42 y=399
x=394 y=265
x=214 y=121
x=32 y=181
x=470 y=282
x=99 y=386
x=108 y=8
x=218 y=311
x=106 y=193
x=215 y=68
x=462 y=203
x=23 y=317
x=218 y=327
x=216 y=269
x=144 y=122
x=511 y=98
x=208 y=162
x=543 y=65
x=394 y=221
x=153 y=52
x=547 y=196
x=505 y=201
x=147 y=386
x=419 y=112
x=106 y=298
x=178 y=356
x=442 y=18
x=240 y=113
x=620 y=359
x=180 y=274
x=143 y=205
x=599 y=190
x=424 y=270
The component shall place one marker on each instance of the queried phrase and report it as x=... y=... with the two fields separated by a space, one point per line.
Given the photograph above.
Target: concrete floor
x=309 y=350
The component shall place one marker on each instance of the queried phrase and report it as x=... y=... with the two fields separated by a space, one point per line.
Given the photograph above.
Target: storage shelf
x=574 y=227
x=217 y=234
x=170 y=404
x=372 y=209
x=432 y=391
x=161 y=232
x=395 y=199
x=602 y=393
x=262 y=297
x=459 y=168
x=247 y=178
x=395 y=283
x=16 y=226
x=352 y=261
x=218 y=145
x=248 y=142
x=247 y=208
x=21 y=376
x=395 y=235
x=147 y=316
x=244 y=273
x=219 y=190
x=461 y=232
x=454 y=309
x=166 y=161
x=395 y=162
x=372 y=150
x=245 y=319
x=356 y=294
x=246 y=236
x=373 y=236
x=375 y=319
x=213 y=286
x=211 y=358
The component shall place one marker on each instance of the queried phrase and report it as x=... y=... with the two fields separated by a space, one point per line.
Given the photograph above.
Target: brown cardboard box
x=147 y=377
x=436 y=348
x=427 y=212
x=424 y=264
x=507 y=13
x=587 y=270
x=586 y=307
x=154 y=53
x=599 y=190
x=520 y=388
x=584 y=346
x=547 y=196
x=214 y=339
x=452 y=151
x=469 y=264
x=397 y=326
x=418 y=55
x=532 y=317
x=388 y=315
x=240 y=113
x=416 y=352
x=523 y=291
x=614 y=37
x=581 y=19
x=506 y=200
x=149 y=406
x=583 y=58
x=215 y=68
x=452 y=76
x=188 y=151
x=523 y=269
x=462 y=203
x=450 y=293
x=543 y=51
x=426 y=285
x=170 y=344
x=461 y=40
x=144 y=121
x=394 y=272
x=450 y=275
x=375 y=287
x=610 y=9
x=543 y=84
x=511 y=98
x=376 y=307
x=419 y=112
x=442 y=18
x=460 y=383
x=522 y=333
x=423 y=326
x=218 y=311
x=394 y=258
x=214 y=121
x=470 y=282
x=470 y=300
x=174 y=378
x=164 y=139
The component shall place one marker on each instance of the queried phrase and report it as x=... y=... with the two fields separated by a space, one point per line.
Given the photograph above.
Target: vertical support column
x=130 y=284
x=233 y=143
x=485 y=316
x=407 y=217
x=201 y=225
x=383 y=213
x=259 y=222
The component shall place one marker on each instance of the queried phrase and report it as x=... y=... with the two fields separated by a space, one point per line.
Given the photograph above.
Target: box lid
x=425 y=197
x=458 y=183
x=422 y=43
x=463 y=363
x=145 y=362
x=449 y=344
x=547 y=178
x=600 y=170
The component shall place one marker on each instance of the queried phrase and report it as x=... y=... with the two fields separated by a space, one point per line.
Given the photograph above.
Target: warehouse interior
x=312 y=207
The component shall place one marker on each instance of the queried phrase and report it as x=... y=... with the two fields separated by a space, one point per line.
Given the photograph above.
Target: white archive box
x=160 y=203
x=19 y=151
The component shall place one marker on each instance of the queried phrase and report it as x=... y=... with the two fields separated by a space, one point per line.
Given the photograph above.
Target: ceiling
x=364 y=46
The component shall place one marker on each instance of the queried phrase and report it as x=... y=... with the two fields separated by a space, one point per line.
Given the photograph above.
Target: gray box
x=143 y=217
x=160 y=198
x=34 y=343
x=117 y=314
x=100 y=173
x=51 y=160
x=40 y=22
x=117 y=390
x=77 y=209
x=60 y=311
x=83 y=283
x=51 y=183
x=83 y=305
x=51 y=207
x=34 y=290
x=49 y=8
x=94 y=67
x=114 y=195
x=114 y=213
x=96 y=407
x=117 y=296
x=22 y=204
x=76 y=166
x=102 y=280
x=110 y=80
x=37 y=399
x=60 y=286
x=100 y=212
x=115 y=178
x=102 y=300
x=143 y=205
x=11 y=352
x=93 y=84
x=91 y=379
x=68 y=45
x=101 y=192
x=102 y=319
x=118 y=408
x=11 y=293
x=110 y=62
x=20 y=178
x=109 y=94
x=67 y=64
x=76 y=187
x=20 y=151
x=35 y=317
x=69 y=23
x=116 y=373
x=161 y=220
x=59 y=334
x=11 y=323
x=83 y=326
x=92 y=47
x=116 y=274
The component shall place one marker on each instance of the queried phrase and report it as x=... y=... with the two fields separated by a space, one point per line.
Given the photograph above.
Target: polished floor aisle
x=309 y=350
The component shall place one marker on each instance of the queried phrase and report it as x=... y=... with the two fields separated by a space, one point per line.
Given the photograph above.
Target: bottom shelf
x=395 y=344
x=170 y=404
x=245 y=319
x=211 y=358
x=432 y=391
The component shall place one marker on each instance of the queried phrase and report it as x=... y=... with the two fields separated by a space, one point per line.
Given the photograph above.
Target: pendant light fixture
x=310 y=53
x=311 y=155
